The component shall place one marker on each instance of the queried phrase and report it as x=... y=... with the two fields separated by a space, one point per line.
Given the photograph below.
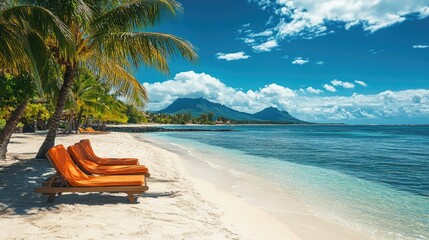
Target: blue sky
x=357 y=61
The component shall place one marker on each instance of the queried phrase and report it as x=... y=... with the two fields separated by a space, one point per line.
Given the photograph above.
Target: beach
x=177 y=206
x=195 y=192
x=290 y=120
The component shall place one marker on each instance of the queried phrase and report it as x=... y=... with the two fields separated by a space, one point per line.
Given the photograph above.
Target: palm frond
x=71 y=12
x=136 y=14
x=40 y=56
x=45 y=23
x=13 y=48
x=149 y=48
x=121 y=79
x=5 y=4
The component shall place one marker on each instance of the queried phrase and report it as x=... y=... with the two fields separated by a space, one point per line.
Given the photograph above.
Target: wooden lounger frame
x=56 y=184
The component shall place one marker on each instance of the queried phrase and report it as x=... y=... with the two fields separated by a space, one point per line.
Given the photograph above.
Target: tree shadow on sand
x=18 y=180
x=16 y=186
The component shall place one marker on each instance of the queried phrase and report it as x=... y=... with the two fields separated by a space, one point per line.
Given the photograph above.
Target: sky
x=338 y=61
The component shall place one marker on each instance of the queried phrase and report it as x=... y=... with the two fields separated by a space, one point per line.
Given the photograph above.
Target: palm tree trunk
x=70 y=124
x=10 y=126
x=79 y=117
x=54 y=121
x=85 y=122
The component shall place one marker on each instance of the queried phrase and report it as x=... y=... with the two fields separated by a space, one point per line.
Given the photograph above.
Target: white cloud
x=249 y=40
x=191 y=84
x=362 y=83
x=425 y=12
x=312 y=18
x=337 y=83
x=232 y=56
x=320 y=63
x=263 y=3
x=265 y=33
x=421 y=46
x=313 y=90
x=266 y=46
x=329 y=88
x=300 y=61
x=413 y=103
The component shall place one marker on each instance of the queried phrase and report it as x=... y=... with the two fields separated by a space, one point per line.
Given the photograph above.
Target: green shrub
x=2 y=123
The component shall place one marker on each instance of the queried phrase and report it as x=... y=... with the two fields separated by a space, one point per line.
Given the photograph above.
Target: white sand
x=177 y=205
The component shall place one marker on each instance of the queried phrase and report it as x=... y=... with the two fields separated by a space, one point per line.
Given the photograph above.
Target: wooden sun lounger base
x=129 y=190
x=55 y=184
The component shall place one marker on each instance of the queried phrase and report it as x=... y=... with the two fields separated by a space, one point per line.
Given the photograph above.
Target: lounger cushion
x=75 y=177
x=86 y=145
x=93 y=168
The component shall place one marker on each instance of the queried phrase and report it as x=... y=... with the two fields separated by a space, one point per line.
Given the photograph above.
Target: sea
x=372 y=178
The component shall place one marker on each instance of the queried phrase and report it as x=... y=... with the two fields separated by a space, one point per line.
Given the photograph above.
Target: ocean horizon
x=369 y=178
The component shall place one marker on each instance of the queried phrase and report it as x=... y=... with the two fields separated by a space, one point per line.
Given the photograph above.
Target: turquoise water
x=374 y=178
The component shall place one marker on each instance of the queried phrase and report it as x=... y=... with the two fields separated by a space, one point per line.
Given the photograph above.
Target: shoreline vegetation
x=146 y=129
x=76 y=57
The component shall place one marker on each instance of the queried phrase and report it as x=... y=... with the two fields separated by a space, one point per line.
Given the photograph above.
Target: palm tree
x=23 y=53
x=84 y=93
x=93 y=98
x=108 y=44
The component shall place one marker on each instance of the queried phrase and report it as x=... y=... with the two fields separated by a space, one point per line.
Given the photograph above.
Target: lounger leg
x=51 y=198
x=131 y=197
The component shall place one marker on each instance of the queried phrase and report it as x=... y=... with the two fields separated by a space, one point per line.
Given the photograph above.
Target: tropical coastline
x=194 y=208
x=288 y=119
x=202 y=191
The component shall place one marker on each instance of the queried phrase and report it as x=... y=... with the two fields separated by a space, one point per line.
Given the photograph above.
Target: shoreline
x=177 y=205
x=189 y=197
x=259 y=192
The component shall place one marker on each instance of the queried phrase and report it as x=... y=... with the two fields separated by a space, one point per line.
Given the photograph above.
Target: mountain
x=198 y=106
x=274 y=114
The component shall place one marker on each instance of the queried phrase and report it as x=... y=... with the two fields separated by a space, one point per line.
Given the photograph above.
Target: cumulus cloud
x=362 y=83
x=313 y=90
x=339 y=83
x=249 y=40
x=320 y=63
x=329 y=87
x=193 y=85
x=413 y=103
x=265 y=33
x=300 y=61
x=308 y=19
x=232 y=56
x=421 y=46
x=266 y=46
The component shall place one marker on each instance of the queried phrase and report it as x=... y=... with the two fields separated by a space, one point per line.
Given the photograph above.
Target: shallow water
x=373 y=178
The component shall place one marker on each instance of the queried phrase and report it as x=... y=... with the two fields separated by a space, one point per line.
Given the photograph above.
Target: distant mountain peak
x=198 y=106
x=273 y=109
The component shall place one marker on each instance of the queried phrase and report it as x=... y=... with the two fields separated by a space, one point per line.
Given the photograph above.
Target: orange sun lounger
x=69 y=178
x=90 y=154
x=91 y=130
x=81 y=130
x=90 y=167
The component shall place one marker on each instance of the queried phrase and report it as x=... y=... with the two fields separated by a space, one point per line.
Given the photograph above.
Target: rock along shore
x=134 y=129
